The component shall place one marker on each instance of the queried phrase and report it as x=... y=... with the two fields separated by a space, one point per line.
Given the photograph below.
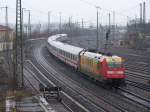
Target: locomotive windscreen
x=114 y=62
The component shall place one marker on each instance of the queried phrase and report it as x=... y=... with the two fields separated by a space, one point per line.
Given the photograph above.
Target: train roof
x=55 y=37
x=63 y=46
x=76 y=50
x=101 y=56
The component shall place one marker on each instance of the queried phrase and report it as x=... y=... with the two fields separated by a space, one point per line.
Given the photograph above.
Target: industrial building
x=6 y=37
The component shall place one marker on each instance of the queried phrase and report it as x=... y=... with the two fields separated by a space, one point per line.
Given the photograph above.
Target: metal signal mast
x=17 y=47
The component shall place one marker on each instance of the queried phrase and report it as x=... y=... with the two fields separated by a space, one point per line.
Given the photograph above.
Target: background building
x=6 y=38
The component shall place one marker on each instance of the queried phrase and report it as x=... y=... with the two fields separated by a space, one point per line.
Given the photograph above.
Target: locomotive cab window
x=114 y=64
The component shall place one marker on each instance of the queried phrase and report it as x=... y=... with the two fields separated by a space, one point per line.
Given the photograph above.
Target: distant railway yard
x=79 y=92
x=75 y=56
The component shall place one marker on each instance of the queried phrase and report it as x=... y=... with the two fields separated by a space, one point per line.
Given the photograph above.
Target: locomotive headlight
x=110 y=72
x=115 y=72
x=119 y=72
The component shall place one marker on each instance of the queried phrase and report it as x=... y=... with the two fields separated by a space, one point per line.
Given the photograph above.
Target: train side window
x=86 y=60
x=89 y=62
x=98 y=66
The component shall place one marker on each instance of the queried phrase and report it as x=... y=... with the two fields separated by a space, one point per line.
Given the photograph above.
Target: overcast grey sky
x=77 y=9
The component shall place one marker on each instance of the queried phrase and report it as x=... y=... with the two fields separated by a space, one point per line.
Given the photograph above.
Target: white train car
x=67 y=53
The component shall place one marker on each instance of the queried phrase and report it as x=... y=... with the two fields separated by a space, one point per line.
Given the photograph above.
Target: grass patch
x=22 y=94
x=19 y=94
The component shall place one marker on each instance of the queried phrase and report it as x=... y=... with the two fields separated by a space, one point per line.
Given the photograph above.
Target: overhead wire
x=122 y=13
x=88 y=3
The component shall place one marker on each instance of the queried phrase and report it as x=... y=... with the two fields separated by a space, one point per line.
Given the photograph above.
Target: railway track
x=138 y=85
x=144 y=70
x=134 y=97
x=137 y=75
x=30 y=84
x=45 y=82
